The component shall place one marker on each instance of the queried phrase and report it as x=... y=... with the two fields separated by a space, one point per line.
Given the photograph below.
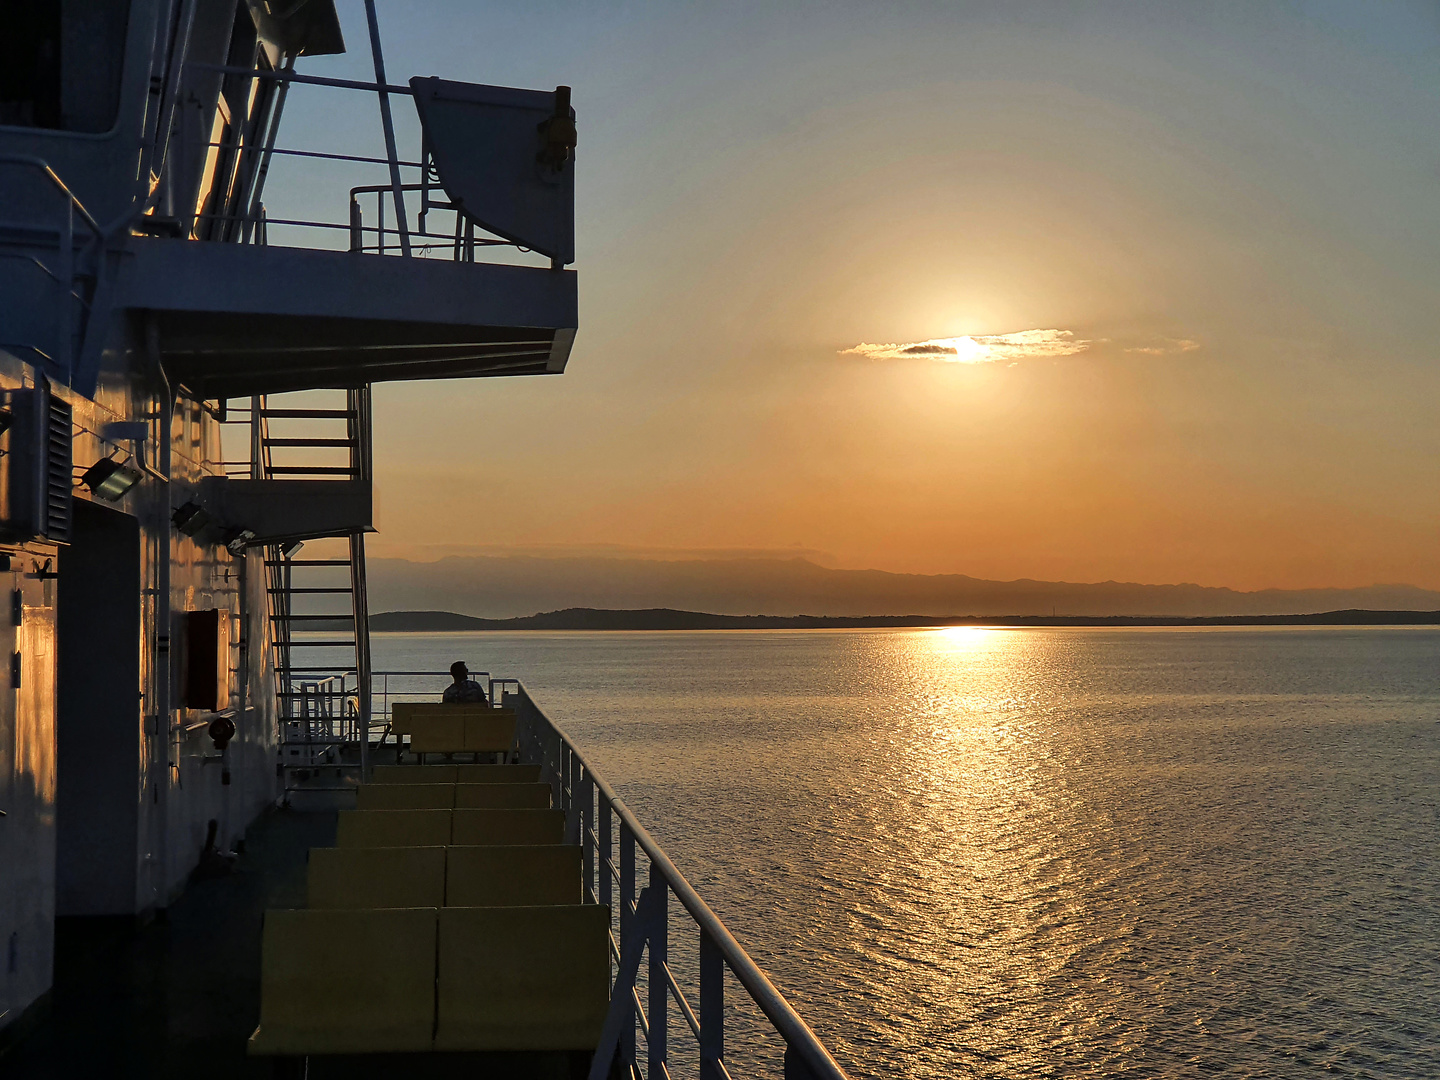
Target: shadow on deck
x=180 y=996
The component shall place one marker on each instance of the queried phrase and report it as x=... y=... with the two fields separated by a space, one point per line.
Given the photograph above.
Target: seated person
x=464 y=690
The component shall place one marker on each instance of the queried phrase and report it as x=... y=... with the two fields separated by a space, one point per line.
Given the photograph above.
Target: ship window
x=60 y=63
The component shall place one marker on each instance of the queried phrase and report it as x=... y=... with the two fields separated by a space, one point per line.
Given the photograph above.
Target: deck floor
x=180 y=996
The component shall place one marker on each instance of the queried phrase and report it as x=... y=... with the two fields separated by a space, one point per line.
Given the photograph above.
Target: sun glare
x=977 y=348
x=958 y=638
x=966 y=350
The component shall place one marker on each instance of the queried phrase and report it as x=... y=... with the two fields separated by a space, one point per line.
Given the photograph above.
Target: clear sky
x=1181 y=260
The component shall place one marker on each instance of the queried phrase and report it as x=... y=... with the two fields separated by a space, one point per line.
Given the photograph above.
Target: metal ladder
x=324 y=701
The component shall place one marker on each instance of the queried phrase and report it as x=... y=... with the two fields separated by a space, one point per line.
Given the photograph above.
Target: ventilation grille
x=37 y=467
x=58 y=460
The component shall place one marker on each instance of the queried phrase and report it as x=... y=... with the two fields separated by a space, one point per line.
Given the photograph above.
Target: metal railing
x=405 y=236
x=70 y=274
x=323 y=720
x=326 y=714
x=385 y=696
x=611 y=837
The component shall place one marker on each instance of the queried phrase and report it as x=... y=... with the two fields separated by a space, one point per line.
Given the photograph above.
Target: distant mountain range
x=670 y=619
x=502 y=588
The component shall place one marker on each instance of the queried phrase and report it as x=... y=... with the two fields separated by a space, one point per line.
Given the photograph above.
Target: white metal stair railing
x=611 y=836
x=323 y=706
x=334 y=708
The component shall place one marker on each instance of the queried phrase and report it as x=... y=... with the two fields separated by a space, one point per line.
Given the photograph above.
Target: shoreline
x=669 y=619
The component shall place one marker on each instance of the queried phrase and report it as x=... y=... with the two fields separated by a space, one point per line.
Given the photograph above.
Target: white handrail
x=814 y=1059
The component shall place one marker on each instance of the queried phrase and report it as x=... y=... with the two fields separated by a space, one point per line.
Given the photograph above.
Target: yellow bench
x=497 y=774
x=502 y=796
x=415 y=774
x=450 y=796
x=404 y=713
x=507 y=978
x=522 y=978
x=335 y=982
x=450 y=773
x=405 y=797
x=376 y=877
x=392 y=828
x=465 y=733
x=407 y=877
x=438 y=728
x=512 y=876
x=484 y=828
x=467 y=827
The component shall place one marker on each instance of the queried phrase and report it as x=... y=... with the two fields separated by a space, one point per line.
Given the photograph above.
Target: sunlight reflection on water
x=1039 y=852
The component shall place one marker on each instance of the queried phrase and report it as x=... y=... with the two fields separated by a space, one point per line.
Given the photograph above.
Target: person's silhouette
x=464 y=690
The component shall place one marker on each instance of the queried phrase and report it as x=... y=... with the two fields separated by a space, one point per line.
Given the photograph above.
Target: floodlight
x=190 y=518
x=236 y=540
x=108 y=479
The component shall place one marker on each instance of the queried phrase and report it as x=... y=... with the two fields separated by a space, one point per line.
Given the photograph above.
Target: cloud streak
x=978 y=348
x=1165 y=347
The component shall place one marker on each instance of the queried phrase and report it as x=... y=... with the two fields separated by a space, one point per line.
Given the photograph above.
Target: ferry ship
x=220 y=849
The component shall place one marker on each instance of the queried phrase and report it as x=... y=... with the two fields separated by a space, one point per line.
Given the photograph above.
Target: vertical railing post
x=587 y=835
x=564 y=777
x=572 y=809
x=357 y=403
x=658 y=985
x=627 y=930
x=607 y=845
x=395 y=187
x=66 y=351
x=712 y=1008
x=271 y=127
x=795 y=1067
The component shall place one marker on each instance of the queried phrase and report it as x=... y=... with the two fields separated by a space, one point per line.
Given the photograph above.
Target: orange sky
x=1239 y=214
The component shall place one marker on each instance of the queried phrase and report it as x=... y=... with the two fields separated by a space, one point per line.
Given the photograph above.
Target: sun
x=966 y=350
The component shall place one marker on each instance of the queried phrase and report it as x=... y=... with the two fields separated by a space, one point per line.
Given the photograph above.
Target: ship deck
x=180 y=995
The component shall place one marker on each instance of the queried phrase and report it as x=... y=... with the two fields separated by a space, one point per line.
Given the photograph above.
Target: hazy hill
x=669 y=619
x=510 y=587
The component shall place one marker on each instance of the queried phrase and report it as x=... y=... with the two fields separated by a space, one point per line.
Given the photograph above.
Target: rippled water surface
x=1018 y=853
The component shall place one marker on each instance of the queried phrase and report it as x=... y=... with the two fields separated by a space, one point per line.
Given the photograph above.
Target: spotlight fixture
x=236 y=540
x=108 y=479
x=292 y=549
x=190 y=518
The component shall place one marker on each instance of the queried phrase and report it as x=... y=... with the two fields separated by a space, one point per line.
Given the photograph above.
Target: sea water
x=1037 y=852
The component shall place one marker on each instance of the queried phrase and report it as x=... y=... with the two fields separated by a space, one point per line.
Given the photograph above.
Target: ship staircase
x=316 y=588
